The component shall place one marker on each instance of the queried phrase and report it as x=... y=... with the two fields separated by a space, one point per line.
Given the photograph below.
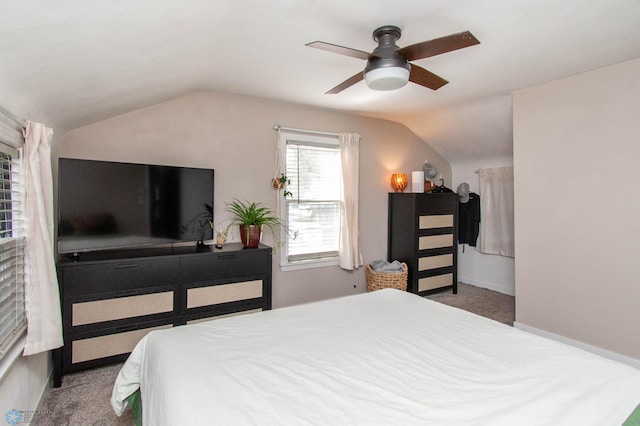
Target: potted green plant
x=252 y=218
x=281 y=183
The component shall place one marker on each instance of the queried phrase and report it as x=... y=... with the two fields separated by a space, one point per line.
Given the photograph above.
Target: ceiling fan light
x=387 y=78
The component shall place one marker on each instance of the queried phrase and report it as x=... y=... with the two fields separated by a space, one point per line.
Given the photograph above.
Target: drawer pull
x=226 y=256
x=125 y=328
x=126 y=293
x=125 y=265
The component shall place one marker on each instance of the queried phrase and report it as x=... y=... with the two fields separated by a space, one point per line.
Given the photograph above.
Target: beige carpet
x=481 y=301
x=83 y=398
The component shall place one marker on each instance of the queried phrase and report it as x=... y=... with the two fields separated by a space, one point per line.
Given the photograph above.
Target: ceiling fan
x=388 y=66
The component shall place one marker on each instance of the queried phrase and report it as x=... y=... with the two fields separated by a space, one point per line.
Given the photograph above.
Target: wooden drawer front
x=250 y=311
x=435 y=262
x=436 y=221
x=435 y=241
x=223 y=293
x=222 y=266
x=121 y=307
x=429 y=283
x=436 y=204
x=109 y=345
x=120 y=275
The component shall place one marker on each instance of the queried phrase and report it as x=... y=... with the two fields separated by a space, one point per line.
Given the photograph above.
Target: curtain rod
x=311 y=132
x=19 y=121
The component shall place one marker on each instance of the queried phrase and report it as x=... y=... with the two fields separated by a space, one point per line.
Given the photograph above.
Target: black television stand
x=110 y=300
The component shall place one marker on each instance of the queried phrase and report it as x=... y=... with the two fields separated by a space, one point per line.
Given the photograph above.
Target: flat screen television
x=106 y=205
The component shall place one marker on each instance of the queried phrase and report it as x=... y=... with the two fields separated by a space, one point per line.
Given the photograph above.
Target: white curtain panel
x=349 y=255
x=496 y=227
x=42 y=300
x=278 y=169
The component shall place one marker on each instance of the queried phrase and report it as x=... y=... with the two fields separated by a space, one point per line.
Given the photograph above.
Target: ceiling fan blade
x=346 y=84
x=426 y=78
x=438 y=46
x=347 y=51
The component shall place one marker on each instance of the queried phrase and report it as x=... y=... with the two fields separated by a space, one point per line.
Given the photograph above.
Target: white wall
x=23 y=381
x=235 y=136
x=577 y=227
x=482 y=270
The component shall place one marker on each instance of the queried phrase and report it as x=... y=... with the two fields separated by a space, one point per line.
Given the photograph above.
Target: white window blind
x=313 y=211
x=12 y=318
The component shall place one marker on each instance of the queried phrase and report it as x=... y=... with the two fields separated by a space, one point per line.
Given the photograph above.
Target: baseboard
x=491 y=286
x=48 y=385
x=589 y=348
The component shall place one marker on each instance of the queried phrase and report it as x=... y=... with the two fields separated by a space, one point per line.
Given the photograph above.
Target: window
x=312 y=163
x=12 y=318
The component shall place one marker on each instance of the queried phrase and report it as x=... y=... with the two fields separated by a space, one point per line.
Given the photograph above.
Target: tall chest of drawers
x=423 y=234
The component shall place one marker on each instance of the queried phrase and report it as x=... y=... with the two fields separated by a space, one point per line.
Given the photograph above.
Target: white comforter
x=381 y=358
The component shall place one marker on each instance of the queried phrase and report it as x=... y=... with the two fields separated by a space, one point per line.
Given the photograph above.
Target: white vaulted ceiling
x=73 y=62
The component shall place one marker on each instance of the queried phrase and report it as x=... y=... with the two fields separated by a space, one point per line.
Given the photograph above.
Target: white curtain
x=278 y=170
x=496 y=195
x=42 y=300
x=349 y=253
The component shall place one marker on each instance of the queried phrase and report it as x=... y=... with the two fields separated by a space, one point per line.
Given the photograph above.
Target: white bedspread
x=381 y=358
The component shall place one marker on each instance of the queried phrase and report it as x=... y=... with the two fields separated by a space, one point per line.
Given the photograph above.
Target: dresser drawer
x=436 y=221
x=436 y=204
x=224 y=293
x=435 y=262
x=435 y=241
x=109 y=344
x=224 y=266
x=434 y=282
x=104 y=310
x=117 y=308
x=121 y=275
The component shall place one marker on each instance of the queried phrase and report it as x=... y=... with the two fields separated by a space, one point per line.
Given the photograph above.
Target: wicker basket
x=380 y=280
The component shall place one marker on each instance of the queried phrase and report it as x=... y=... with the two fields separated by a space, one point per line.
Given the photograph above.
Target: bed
x=380 y=358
